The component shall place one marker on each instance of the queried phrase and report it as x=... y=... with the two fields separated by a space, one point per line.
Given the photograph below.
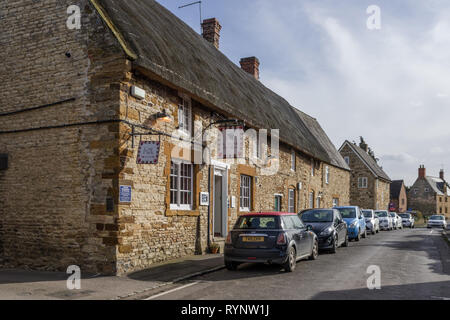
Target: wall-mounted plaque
x=125 y=194
x=204 y=198
x=148 y=152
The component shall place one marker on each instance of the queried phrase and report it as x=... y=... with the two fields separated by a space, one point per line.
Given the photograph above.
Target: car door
x=362 y=220
x=339 y=225
x=292 y=232
x=305 y=237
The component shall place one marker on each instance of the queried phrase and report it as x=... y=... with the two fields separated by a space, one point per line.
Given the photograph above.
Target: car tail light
x=281 y=238
x=228 y=238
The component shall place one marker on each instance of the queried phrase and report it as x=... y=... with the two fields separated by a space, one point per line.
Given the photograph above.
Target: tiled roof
x=396 y=187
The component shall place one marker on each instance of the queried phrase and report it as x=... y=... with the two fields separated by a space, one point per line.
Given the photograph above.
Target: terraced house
x=101 y=128
x=369 y=184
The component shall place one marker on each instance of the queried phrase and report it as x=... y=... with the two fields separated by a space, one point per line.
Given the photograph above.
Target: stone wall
x=53 y=194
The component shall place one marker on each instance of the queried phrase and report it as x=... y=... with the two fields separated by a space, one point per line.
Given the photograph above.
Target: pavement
x=16 y=284
x=413 y=264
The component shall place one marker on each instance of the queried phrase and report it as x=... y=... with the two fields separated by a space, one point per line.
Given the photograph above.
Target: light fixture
x=162 y=116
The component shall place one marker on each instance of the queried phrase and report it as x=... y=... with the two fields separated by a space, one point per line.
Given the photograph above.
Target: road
x=414 y=264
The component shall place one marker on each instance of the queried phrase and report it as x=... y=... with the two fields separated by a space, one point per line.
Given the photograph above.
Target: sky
x=390 y=85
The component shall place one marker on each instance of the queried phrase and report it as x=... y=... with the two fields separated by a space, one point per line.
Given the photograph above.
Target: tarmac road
x=414 y=264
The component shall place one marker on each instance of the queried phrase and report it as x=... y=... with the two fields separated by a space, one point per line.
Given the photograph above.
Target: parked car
x=397 y=221
x=386 y=221
x=271 y=237
x=437 y=221
x=356 y=223
x=408 y=220
x=329 y=226
x=372 y=221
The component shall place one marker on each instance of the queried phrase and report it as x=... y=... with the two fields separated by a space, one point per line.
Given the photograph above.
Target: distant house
x=430 y=195
x=399 y=199
x=369 y=184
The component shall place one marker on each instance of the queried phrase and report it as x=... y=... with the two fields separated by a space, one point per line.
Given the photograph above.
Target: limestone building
x=101 y=127
x=369 y=184
x=430 y=195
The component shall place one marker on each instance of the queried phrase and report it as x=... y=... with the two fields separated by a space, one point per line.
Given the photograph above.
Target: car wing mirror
x=309 y=228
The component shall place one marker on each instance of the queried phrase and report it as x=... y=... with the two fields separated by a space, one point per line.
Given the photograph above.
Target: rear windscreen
x=258 y=222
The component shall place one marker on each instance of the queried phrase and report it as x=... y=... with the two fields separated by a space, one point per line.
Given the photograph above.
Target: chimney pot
x=422 y=171
x=211 y=31
x=251 y=65
x=441 y=174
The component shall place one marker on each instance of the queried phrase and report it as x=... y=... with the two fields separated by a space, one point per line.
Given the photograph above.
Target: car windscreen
x=436 y=218
x=258 y=222
x=404 y=215
x=381 y=213
x=317 y=216
x=347 y=212
x=367 y=214
x=391 y=214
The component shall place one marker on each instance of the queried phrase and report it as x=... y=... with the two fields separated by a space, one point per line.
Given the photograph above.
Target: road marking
x=431 y=231
x=441 y=298
x=170 y=291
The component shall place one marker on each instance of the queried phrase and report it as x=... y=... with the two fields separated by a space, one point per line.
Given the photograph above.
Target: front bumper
x=274 y=255
x=353 y=232
x=326 y=242
x=434 y=225
x=385 y=225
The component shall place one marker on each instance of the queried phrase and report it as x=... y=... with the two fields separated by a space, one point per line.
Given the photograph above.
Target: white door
x=220 y=215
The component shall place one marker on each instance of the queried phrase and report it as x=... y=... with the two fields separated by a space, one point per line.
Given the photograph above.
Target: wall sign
x=204 y=198
x=125 y=194
x=148 y=152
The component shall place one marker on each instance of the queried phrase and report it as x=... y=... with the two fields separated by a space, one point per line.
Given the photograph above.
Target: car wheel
x=231 y=265
x=315 y=251
x=358 y=237
x=291 y=262
x=345 y=244
x=335 y=245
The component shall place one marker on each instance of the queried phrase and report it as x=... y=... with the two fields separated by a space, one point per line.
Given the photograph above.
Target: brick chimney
x=251 y=65
x=441 y=174
x=422 y=171
x=211 y=31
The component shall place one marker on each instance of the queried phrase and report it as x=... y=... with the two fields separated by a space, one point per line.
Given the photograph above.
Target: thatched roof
x=170 y=49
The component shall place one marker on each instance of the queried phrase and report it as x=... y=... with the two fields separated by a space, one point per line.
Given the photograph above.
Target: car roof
x=250 y=214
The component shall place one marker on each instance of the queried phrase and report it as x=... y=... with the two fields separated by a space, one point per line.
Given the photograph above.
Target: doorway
x=220 y=216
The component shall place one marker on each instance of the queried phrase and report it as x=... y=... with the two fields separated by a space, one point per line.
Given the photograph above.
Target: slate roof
x=396 y=187
x=369 y=161
x=437 y=184
x=167 y=47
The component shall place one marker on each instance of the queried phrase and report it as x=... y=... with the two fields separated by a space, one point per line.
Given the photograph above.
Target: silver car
x=407 y=220
x=437 y=221
x=386 y=221
x=372 y=221
x=397 y=220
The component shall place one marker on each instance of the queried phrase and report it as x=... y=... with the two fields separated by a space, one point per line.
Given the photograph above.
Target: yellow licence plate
x=253 y=239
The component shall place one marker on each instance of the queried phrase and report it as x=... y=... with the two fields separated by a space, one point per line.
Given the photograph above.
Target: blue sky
x=391 y=86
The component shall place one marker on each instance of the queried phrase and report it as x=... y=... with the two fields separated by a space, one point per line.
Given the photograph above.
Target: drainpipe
x=209 y=208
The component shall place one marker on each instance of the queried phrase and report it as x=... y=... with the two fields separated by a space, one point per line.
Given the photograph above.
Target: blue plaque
x=125 y=194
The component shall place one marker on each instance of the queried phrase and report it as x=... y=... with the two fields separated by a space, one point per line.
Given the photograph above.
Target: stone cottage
x=369 y=184
x=430 y=195
x=102 y=128
x=399 y=200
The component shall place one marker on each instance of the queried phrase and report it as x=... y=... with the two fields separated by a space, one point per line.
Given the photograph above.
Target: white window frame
x=242 y=193
x=335 y=202
x=185 y=114
x=327 y=174
x=293 y=160
x=363 y=183
x=317 y=202
x=280 y=197
x=347 y=160
x=291 y=200
x=311 y=199
x=178 y=190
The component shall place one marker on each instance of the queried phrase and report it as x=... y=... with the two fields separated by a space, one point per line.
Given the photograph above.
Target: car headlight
x=326 y=232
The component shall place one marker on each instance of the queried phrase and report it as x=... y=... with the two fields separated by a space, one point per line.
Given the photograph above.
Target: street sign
x=125 y=194
x=148 y=152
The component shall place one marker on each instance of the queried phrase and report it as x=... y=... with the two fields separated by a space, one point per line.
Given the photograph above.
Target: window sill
x=186 y=213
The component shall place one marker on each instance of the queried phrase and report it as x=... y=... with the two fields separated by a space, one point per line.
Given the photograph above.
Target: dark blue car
x=272 y=237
